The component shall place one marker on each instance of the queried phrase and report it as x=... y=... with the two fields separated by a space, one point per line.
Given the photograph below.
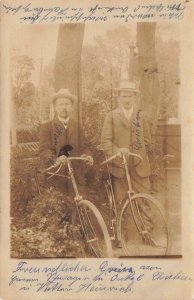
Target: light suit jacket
x=118 y=132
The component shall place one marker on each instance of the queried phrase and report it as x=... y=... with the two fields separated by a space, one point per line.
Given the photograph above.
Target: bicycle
x=92 y=223
x=139 y=239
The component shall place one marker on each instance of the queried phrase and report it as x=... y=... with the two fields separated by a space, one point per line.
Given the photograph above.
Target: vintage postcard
x=96 y=150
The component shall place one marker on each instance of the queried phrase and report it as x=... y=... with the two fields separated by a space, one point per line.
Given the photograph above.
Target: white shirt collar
x=63 y=120
x=127 y=113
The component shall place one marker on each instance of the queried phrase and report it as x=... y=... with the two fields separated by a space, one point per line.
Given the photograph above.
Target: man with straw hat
x=63 y=133
x=125 y=130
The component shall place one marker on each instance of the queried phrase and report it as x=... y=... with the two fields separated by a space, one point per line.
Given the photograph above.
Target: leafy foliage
x=41 y=225
x=169 y=72
x=22 y=67
x=21 y=183
x=27 y=134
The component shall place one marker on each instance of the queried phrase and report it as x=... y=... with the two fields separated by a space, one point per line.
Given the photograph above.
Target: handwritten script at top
x=32 y=14
x=81 y=276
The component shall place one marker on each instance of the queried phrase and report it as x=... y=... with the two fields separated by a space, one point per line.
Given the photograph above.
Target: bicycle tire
x=142 y=227
x=94 y=229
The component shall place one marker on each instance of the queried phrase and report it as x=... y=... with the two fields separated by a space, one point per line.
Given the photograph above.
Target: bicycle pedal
x=149 y=240
x=118 y=244
x=146 y=237
x=156 y=245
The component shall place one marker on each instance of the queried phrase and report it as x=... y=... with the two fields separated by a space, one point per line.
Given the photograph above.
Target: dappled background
x=104 y=62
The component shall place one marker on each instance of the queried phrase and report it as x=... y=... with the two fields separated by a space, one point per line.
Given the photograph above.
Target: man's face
x=127 y=99
x=63 y=107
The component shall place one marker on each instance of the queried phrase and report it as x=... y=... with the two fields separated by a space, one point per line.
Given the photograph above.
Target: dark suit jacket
x=118 y=132
x=53 y=137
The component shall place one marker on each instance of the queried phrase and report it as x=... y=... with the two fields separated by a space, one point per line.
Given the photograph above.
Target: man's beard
x=64 y=114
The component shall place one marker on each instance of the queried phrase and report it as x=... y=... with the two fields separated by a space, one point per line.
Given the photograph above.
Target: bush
x=28 y=134
x=45 y=230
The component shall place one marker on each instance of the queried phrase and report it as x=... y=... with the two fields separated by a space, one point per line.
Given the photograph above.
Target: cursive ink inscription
x=120 y=274
x=52 y=287
x=151 y=268
x=32 y=14
x=137 y=144
x=171 y=276
x=15 y=279
x=105 y=268
x=24 y=268
x=57 y=132
x=77 y=277
x=104 y=288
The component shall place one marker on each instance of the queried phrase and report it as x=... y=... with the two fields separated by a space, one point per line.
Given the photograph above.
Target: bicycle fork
x=140 y=227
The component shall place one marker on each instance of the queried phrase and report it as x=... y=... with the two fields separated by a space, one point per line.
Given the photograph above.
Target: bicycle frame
x=122 y=156
x=113 y=212
x=109 y=188
x=133 y=200
x=84 y=209
x=130 y=192
x=77 y=196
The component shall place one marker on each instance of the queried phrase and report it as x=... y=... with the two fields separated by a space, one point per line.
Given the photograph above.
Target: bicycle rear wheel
x=94 y=229
x=143 y=228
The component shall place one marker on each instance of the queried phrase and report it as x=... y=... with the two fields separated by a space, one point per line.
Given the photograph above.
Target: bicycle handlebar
x=121 y=155
x=61 y=163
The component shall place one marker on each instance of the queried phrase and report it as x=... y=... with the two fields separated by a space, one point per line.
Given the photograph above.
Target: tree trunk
x=13 y=121
x=149 y=86
x=68 y=61
x=147 y=71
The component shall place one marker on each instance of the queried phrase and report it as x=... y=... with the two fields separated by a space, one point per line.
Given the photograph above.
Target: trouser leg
x=120 y=189
x=142 y=185
x=120 y=192
x=139 y=185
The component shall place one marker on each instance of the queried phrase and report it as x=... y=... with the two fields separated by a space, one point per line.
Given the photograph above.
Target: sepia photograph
x=95 y=140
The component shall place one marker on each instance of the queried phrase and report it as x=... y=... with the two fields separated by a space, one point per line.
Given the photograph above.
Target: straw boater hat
x=128 y=87
x=64 y=93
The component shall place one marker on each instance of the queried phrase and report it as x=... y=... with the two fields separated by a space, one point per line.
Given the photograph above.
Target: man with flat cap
x=62 y=134
x=125 y=130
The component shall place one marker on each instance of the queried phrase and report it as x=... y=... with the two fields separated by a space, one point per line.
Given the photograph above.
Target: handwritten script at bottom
x=79 y=276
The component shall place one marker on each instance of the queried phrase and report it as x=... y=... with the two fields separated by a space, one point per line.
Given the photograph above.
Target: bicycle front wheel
x=143 y=228
x=94 y=230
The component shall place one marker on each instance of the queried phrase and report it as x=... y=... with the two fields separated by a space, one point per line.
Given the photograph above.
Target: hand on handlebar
x=124 y=151
x=88 y=159
x=61 y=160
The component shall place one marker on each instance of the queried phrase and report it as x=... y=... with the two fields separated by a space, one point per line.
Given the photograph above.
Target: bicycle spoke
x=92 y=231
x=95 y=231
x=143 y=227
x=84 y=226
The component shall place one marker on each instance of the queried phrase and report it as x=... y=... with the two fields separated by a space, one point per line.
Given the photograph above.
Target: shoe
x=153 y=190
x=118 y=244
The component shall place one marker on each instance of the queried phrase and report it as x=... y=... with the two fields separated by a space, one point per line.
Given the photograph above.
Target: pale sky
x=41 y=40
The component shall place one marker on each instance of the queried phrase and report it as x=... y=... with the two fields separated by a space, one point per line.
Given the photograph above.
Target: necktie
x=65 y=123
